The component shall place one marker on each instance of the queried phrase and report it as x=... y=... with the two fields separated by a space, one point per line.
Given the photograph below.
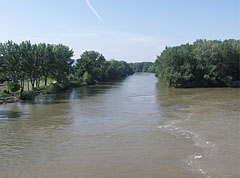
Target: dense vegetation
x=33 y=62
x=92 y=67
x=143 y=67
x=201 y=64
x=27 y=64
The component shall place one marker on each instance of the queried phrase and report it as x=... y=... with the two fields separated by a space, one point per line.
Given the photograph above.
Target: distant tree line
x=32 y=63
x=143 y=67
x=201 y=64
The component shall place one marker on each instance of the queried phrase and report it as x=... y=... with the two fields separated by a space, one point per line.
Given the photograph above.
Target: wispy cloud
x=93 y=10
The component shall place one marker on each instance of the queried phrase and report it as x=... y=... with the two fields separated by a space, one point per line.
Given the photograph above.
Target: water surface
x=132 y=128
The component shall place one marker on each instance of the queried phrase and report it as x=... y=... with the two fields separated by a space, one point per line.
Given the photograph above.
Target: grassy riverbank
x=51 y=88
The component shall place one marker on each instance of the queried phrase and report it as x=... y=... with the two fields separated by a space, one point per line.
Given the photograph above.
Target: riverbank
x=235 y=84
x=9 y=100
x=52 y=88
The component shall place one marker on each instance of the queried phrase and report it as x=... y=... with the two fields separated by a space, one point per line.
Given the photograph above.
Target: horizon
x=130 y=31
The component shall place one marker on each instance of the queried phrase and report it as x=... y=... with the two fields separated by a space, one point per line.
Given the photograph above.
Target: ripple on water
x=193 y=161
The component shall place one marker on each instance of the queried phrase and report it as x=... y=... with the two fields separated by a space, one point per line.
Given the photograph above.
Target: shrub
x=13 y=86
x=27 y=95
x=87 y=79
x=54 y=88
x=75 y=83
x=65 y=85
x=5 y=91
x=3 y=95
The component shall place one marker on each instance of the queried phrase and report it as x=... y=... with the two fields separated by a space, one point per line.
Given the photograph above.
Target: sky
x=130 y=30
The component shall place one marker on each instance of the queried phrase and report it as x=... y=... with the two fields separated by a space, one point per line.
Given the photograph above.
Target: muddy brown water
x=135 y=128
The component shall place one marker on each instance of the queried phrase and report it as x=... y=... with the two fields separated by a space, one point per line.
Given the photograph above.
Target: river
x=135 y=128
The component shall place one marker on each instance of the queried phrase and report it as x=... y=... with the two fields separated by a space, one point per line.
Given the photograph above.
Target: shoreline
x=9 y=100
x=15 y=99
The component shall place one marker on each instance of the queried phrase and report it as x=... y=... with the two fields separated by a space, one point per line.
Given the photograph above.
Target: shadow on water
x=73 y=94
x=92 y=90
x=43 y=102
x=10 y=114
x=178 y=103
x=47 y=118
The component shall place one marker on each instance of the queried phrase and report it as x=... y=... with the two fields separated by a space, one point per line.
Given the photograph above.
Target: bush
x=75 y=83
x=87 y=79
x=27 y=95
x=5 y=91
x=54 y=88
x=13 y=86
x=65 y=85
x=3 y=95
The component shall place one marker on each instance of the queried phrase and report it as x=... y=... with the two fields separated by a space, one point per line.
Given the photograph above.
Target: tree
x=63 y=62
x=204 y=63
x=91 y=62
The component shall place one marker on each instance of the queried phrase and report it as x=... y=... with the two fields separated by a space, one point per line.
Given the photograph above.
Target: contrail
x=93 y=10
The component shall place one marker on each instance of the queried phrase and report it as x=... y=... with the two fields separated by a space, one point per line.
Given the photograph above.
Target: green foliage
x=58 y=88
x=76 y=83
x=34 y=62
x=92 y=67
x=13 y=86
x=65 y=85
x=28 y=95
x=53 y=88
x=38 y=63
x=115 y=70
x=87 y=79
x=202 y=64
x=4 y=94
x=143 y=67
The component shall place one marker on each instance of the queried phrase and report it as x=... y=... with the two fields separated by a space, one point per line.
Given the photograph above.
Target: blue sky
x=130 y=30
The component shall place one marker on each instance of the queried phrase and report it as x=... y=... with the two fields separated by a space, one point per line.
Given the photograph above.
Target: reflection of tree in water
x=48 y=121
x=43 y=118
x=194 y=102
x=9 y=114
x=173 y=103
x=93 y=90
x=34 y=121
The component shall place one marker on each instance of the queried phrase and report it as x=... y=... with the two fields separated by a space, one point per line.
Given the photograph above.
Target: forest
x=211 y=63
x=27 y=66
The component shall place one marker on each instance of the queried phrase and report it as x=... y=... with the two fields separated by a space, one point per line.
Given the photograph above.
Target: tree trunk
x=32 y=82
x=28 y=84
x=38 y=81
x=23 y=83
x=45 y=81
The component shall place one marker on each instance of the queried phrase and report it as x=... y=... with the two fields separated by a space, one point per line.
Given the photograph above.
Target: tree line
x=143 y=67
x=33 y=63
x=204 y=63
x=92 y=67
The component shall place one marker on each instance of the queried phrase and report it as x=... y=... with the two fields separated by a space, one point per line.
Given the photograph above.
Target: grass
x=42 y=84
x=51 y=87
x=5 y=95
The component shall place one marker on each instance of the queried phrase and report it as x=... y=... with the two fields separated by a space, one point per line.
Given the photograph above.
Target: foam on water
x=193 y=161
